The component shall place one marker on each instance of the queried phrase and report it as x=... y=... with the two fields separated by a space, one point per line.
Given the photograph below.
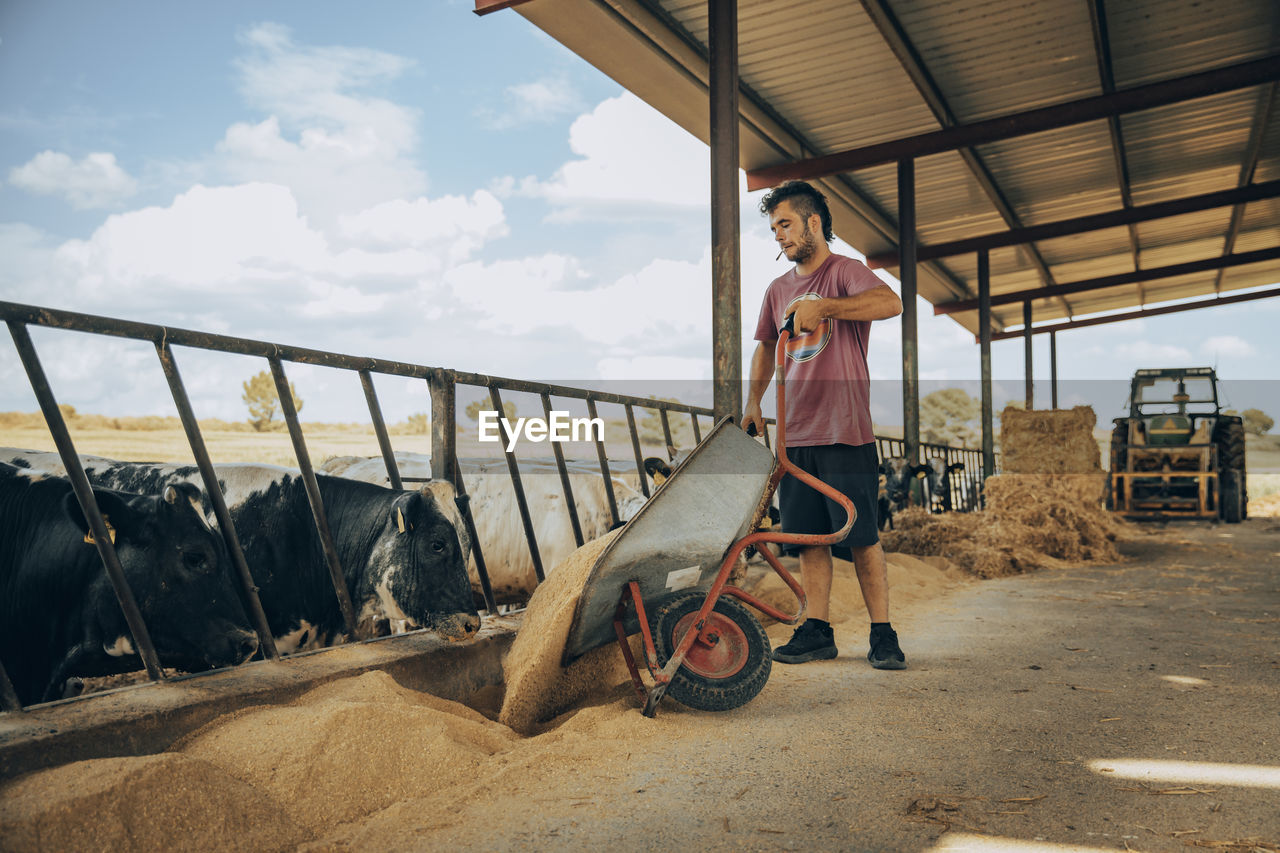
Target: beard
x=805 y=248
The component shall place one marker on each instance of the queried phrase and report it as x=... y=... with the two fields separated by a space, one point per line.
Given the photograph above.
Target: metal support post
x=984 y=338
x=907 y=275
x=1026 y=337
x=726 y=273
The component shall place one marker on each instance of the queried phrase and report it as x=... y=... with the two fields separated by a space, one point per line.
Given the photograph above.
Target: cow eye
x=194 y=560
x=437 y=545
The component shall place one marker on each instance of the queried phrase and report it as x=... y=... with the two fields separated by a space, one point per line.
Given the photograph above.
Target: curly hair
x=805 y=198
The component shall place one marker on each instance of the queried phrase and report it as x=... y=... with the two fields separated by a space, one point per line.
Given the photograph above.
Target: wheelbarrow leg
x=651 y=696
x=619 y=617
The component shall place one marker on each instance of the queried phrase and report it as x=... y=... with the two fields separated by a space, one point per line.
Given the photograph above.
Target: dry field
x=163 y=440
x=170 y=445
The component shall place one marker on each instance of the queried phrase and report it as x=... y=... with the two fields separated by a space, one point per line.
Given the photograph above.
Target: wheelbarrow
x=666 y=574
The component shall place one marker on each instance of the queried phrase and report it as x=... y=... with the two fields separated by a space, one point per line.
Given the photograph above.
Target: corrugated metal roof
x=821 y=78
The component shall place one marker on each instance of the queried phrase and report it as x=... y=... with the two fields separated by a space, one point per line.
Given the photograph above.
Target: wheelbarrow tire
x=717 y=678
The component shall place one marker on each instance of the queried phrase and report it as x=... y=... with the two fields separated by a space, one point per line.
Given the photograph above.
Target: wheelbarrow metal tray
x=679 y=537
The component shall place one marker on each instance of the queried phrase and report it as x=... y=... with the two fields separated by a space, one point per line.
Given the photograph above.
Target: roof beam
x=1229 y=78
x=913 y=64
x=484 y=7
x=1106 y=76
x=646 y=29
x=1135 y=315
x=1248 y=166
x=1084 y=224
x=1187 y=268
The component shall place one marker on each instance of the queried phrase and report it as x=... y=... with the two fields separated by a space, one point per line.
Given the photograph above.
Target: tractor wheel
x=718 y=677
x=1231 y=496
x=1228 y=435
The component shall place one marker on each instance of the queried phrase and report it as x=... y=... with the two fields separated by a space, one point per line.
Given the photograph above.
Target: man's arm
x=878 y=303
x=761 y=374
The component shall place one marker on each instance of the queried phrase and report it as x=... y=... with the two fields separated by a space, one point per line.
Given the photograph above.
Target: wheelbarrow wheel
x=718 y=677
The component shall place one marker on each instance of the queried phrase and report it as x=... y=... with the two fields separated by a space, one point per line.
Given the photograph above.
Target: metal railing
x=442 y=385
x=965 y=486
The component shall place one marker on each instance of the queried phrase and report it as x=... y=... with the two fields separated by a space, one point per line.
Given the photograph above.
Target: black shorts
x=853 y=470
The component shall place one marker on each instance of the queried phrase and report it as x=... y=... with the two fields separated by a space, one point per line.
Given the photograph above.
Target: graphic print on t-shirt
x=808 y=345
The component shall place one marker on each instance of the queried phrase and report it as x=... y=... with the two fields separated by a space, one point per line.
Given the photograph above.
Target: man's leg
x=873 y=577
x=813 y=640
x=815 y=577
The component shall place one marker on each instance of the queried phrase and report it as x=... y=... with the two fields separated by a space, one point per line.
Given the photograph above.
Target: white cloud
x=457 y=224
x=536 y=101
x=665 y=300
x=337 y=147
x=95 y=181
x=632 y=161
x=1227 y=345
x=229 y=236
x=647 y=368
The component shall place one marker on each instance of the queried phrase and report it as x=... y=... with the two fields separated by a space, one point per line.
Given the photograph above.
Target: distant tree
x=473 y=410
x=420 y=423
x=951 y=416
x=1257 y=422
x=263 y=401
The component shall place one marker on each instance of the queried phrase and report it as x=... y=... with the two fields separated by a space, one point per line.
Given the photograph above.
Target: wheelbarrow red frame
x=705 y=633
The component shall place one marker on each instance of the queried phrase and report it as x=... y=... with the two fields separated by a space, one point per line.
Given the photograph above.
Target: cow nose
x=459 y=626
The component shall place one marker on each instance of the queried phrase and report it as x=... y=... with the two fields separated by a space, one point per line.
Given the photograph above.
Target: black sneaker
x=885 y=653
x=809 y=642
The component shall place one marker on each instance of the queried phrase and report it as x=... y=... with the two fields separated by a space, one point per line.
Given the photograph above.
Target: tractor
x=1177 y=454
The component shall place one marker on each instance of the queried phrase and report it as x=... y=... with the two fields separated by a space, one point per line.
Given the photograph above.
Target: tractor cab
x=1173 y=406
x=1177 y=453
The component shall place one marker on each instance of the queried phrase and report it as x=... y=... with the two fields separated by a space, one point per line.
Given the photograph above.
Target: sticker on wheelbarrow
x=683 y=578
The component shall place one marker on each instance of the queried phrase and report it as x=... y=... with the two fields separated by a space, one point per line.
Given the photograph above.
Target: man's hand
x=808 y=314
x=752 y=415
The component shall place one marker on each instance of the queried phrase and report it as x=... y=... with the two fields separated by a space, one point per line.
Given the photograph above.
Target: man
x=835 y=299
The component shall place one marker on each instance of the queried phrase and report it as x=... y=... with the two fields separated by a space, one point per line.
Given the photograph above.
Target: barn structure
x=1027 y=168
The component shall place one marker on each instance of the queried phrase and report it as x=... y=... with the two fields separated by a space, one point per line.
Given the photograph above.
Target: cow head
x=179 y=573
x=897 y=474
x=939 y=476
x=418 y=568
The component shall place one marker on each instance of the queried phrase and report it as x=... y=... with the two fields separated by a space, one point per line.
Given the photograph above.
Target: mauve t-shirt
x=828 y=390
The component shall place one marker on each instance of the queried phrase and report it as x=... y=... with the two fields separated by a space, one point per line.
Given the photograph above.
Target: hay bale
x=1030 y=522
x=1006 y=489
x=1052 y=441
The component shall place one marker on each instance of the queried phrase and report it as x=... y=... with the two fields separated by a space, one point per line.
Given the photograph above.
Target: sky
x=408 y=181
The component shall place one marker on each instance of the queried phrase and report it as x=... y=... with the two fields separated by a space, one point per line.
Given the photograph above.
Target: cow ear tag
x=919 y=475
x=400 y=519
x=111 y=532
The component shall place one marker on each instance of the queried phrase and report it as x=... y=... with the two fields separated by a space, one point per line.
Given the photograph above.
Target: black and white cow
x=938 y=475
x=496 y=513
x=896 y=475
x=401 y=557
x=59 y=615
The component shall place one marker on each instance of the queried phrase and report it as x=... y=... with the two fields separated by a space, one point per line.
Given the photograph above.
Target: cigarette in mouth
x=780 y=251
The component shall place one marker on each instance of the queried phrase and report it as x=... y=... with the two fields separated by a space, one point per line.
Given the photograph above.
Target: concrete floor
x=1006 y=732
